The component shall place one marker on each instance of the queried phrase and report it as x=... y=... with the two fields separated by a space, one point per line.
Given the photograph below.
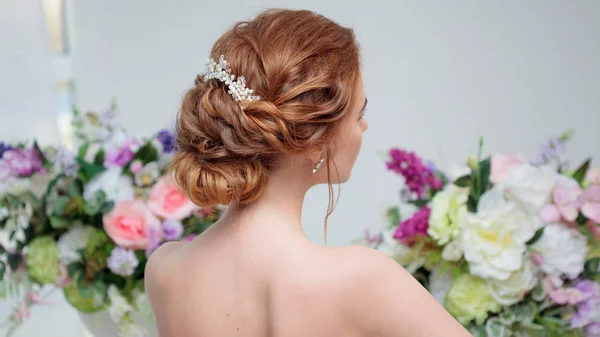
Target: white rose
x=494 y=238
x=117 y=187
x=529 y=186
x=453 y=251
x=563 y=250
x=513 y=289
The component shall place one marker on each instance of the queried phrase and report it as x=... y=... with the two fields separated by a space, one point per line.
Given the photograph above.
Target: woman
x=258 y=145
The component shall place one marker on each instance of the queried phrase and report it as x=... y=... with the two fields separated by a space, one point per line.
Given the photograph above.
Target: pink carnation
x=502 y=165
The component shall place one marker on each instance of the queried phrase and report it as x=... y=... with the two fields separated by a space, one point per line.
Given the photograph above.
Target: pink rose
x=590 y=203
x=502 y=165
x=129 y=223
x=593 y=176
x=168 y=201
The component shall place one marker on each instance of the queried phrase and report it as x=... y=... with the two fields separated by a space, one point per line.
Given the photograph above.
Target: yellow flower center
x=495 y=237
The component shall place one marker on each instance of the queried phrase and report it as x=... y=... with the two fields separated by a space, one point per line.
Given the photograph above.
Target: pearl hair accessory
x=237 y=88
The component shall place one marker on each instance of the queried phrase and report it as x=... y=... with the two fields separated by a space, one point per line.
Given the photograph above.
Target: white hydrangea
x=72 y=241
x=563 y=250
x=494 y=239
x=529 y=186
x=117 y=187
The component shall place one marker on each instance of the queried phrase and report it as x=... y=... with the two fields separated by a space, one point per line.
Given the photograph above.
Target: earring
x=317 y=166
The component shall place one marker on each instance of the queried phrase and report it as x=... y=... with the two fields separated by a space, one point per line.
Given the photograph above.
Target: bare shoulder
x=383 y=299
x=160 y=267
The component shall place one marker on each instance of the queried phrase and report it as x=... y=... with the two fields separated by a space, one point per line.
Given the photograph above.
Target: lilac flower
x=372 y=238
x=417 y=175
x=65 y=160
x=3 y=148
x=120 y=156
x=551 y=149
x=154 y=241
x=409 y=230
x=122 y=261
x=592 y=329
x=172 y=229
x=587 y=308
x=167 y=139
x=23 y=162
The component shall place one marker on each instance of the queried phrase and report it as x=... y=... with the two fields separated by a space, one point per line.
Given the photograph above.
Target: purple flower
x=417 y=175
x=154 y=241
x=167 y=139
x=550 y=150
x=409 y=230
x=587 y=308
x=372 y=238
x=122 y=155
x=172 y=229
x=23 y=162
x=122 y=261
x=593 y=329
x=65 y=160
x=3 y=148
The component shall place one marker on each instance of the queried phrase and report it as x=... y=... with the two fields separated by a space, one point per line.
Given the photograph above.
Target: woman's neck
x=280 y=203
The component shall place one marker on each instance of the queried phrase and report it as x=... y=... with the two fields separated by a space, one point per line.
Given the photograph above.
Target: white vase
x=99 y=324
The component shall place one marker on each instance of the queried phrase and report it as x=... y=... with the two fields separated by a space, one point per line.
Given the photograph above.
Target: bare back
x=223 y=284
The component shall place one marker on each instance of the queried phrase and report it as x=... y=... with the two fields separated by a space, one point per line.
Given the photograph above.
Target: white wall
x=520 y=71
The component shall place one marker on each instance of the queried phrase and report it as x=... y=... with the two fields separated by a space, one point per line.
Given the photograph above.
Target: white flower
x=529 y=186
x=512 y=290
x=148 y=175
x=128 y=328
x=448 y=207
x=4 y=213
x=439 y=284
x=14 y=185
x=453 y=251
x=410 y=259
x=117 y=187
x=119 y=306
x=563 y=251
x=494 y=238
x=73 y=240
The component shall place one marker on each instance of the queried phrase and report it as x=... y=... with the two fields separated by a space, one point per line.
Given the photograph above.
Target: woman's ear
x=316 y=155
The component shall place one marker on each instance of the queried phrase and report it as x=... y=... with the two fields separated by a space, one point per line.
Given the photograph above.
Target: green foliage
x=42 y=260
x=393 y=215
x=538 y=234
x=85 y=297
x=579 y=174
x=147 y=153
x=464 y=181
x=88 y=171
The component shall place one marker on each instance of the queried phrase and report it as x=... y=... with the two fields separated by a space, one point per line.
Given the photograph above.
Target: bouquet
x=509 y=248
x=87 y=221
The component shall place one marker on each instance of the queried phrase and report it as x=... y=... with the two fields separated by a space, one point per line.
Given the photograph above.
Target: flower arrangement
x=510 y=248
x=87 y=221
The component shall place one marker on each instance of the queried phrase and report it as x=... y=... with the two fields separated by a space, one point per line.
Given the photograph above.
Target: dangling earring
x=317 y=166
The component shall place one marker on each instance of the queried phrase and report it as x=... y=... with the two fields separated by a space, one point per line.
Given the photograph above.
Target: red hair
x=303 y=66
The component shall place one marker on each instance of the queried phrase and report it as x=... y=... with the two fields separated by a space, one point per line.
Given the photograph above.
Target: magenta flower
x=23 y=162
x=120 y=156
x=418 y=176
x=413 y=228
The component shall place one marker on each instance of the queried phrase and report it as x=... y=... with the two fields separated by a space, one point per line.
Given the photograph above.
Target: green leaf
x=83 y=150
x=73 y=268
x=538 y=234
x=2 y=251
x=485 y=169
x=14 y=261
x=464 y=181
x=419 y=202
x=591 y=267
x=393 y=215
x=45 y=160
x=147 y=153
x=57 y=222
x=588 y=233
x=94 y=205
x=60 y=205
x=88 y=170
x=579 y=174
x=2 y=270
x=75 y=206
x=74 y=189
x=107 y=207
x=53 y=183
x=13 y=201
x=99 y=159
